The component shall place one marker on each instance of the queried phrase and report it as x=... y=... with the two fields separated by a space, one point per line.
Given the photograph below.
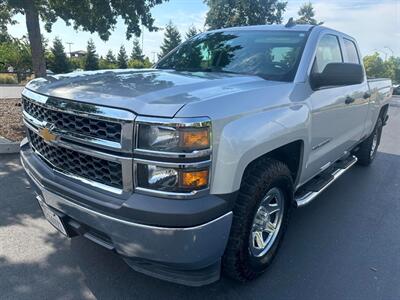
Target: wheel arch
x=290 y=154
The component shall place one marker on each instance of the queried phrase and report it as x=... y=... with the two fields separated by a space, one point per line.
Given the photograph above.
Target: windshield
x=273 y=55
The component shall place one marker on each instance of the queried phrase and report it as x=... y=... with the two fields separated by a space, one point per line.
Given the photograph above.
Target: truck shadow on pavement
x=15 y=208
x=332 y=249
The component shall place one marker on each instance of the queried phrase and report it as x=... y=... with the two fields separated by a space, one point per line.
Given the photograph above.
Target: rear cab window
x=350 y=50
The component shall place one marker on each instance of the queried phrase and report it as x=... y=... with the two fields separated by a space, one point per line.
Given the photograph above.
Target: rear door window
x=351 y=52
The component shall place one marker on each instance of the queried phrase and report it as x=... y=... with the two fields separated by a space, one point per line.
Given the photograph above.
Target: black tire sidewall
x=364 y=153
x=378 y=131
x=259 y=264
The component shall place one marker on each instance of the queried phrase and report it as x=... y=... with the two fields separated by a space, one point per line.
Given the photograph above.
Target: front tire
x=260 y=218
x=368 y=148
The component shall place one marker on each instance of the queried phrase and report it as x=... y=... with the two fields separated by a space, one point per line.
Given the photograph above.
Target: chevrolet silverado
x=191 y=168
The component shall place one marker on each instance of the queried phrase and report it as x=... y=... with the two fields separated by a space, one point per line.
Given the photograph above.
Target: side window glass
x=351 y=52
x=328 y=51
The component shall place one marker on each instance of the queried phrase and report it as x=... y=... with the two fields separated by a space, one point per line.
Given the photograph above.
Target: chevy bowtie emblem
x=46 y=134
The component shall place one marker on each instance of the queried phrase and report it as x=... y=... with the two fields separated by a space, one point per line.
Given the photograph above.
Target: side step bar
x=337 y=170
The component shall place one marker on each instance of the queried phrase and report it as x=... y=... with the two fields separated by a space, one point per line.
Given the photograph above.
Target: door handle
x=366 y=95
x=349 y=100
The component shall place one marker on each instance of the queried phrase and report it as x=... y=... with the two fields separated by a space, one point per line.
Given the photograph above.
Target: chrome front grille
x=78 y=164
x=90 y=143
x=72 y=123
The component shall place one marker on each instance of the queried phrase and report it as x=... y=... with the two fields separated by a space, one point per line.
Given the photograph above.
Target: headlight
x=173 y=157
x=173 y=139
x=171 y=179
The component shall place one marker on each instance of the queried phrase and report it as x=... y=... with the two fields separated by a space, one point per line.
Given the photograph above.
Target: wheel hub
x=267 y=222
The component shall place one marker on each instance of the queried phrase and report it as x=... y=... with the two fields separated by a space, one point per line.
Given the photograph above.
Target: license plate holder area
x=53 y=218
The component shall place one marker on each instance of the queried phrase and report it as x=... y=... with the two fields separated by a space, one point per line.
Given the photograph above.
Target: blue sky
x=375 y=24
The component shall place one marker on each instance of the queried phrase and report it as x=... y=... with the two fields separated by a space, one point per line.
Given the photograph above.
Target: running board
x=309 y=192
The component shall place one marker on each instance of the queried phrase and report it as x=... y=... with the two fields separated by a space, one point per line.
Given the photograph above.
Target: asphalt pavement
x=344 y=245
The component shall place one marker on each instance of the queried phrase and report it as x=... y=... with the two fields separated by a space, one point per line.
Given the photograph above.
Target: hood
x=148 y=92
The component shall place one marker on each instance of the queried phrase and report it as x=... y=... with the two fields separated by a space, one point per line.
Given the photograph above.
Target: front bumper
x=189 y=255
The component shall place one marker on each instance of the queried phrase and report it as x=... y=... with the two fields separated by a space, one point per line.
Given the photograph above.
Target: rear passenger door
x=336 y=122
x=359 y=92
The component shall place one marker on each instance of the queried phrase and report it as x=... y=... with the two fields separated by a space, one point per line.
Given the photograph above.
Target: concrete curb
x=11 y=85
x=8 y=147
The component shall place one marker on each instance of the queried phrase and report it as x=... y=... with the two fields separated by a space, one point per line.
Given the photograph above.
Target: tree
x=229 y=13
x=374 y=65
x=91 y=58
x=392 y=69
x=15 y=53
x=77 y=62
x=307 y=14
x=105 y=64
x=138 y=64
x=122 y=59
x=5 y=18
x=88 y=15
x=110 y=58
x=172 y=38
x=192 y=31
x=59 y=62
x=137 y=53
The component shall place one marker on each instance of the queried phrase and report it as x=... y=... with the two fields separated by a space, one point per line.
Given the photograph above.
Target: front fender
x=241 y=140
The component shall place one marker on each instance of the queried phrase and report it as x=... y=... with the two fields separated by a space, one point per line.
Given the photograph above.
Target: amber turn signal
x=195 y=138
x=194 y=179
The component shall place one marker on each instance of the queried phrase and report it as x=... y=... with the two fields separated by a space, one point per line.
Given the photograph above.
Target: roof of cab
x=268 y=27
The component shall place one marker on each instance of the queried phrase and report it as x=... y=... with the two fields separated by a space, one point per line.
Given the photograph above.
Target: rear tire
x=245 y=258
x=368 y=148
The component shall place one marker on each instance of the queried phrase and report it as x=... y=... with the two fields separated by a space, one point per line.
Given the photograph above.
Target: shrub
x=8 y=79
x=137 y=64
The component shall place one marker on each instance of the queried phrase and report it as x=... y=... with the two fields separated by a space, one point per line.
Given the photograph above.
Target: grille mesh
x=76 y=124
x=76 y=163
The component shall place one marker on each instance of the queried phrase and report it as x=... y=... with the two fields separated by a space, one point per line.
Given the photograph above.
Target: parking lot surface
x=345 y=245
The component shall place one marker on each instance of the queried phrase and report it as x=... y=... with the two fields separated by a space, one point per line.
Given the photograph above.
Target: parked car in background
x=396 y=89
x=194 y=166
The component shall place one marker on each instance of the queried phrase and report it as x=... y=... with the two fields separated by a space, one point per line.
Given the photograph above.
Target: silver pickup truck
x=193 y=166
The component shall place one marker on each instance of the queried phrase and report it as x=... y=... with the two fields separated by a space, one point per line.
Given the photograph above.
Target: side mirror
x=337 y=74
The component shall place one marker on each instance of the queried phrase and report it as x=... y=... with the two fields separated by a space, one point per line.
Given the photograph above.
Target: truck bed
x=381 y=88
